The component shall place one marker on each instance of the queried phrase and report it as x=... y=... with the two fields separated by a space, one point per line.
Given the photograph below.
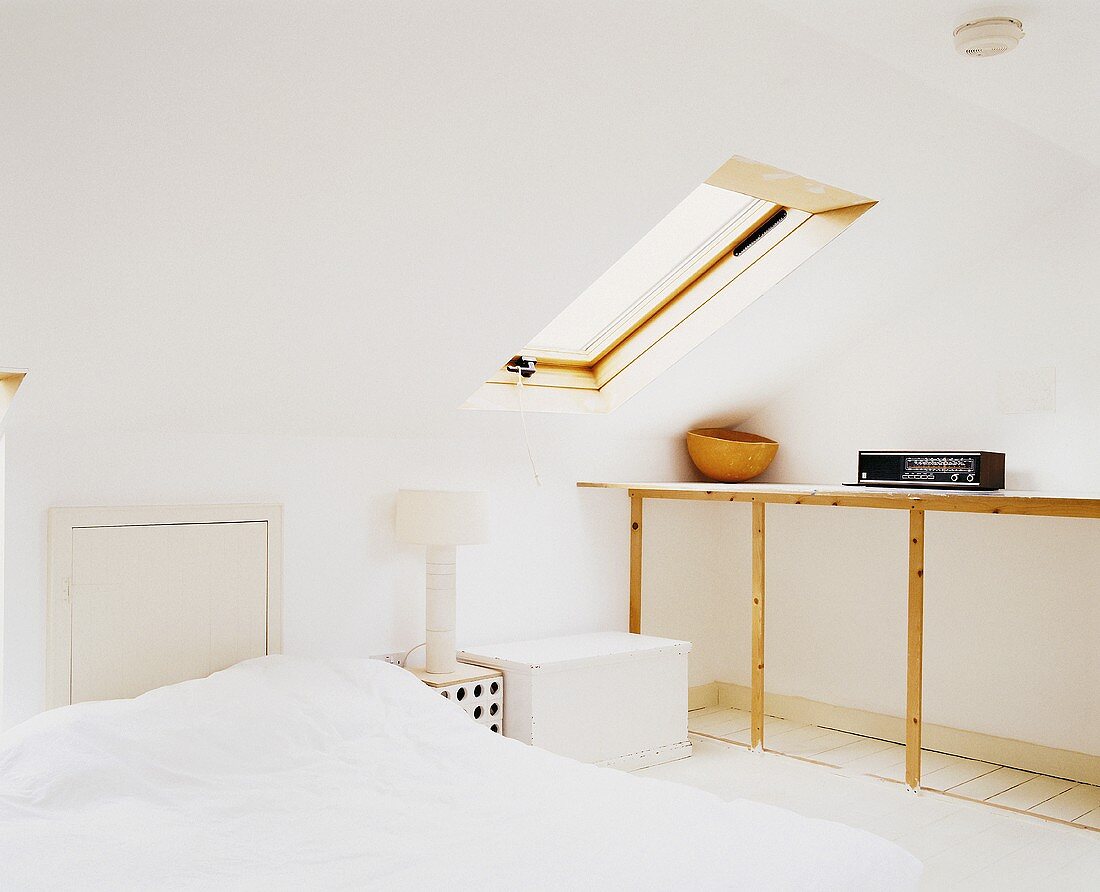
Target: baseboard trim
x=1021 y=754
x=702 y=696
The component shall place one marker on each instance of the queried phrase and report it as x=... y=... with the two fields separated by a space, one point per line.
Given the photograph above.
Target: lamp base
x=440 y=656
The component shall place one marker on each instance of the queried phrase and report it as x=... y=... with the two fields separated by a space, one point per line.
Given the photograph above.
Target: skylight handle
x=524 y=366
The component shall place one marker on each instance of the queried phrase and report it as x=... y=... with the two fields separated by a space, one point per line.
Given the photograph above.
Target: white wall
x=340 y=223
x=1012 y=604
x=557 y=562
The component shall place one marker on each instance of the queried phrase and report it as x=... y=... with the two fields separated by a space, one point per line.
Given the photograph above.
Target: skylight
x=721 y=248
x=704 y=226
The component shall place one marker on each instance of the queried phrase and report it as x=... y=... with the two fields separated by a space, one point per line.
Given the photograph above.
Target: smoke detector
x=988 y=37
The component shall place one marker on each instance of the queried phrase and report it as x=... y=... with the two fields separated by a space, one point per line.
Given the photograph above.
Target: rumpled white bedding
x=286 y=773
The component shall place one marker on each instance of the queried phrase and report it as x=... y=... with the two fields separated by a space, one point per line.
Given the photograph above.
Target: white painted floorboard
x=964 y=845
x=982 y=781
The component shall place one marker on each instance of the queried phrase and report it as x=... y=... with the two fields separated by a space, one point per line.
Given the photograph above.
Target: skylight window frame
x=562 y=370
x=702 y=256
x=815 y=214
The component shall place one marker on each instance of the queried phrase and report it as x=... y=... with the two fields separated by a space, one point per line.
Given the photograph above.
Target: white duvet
x=285 y=773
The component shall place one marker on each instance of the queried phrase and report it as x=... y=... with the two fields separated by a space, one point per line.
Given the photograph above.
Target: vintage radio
x=939 y=470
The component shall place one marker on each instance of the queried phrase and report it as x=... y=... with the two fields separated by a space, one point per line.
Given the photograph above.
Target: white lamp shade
x=433 y=517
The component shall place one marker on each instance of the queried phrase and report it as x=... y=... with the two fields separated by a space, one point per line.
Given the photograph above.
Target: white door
x=157 y=604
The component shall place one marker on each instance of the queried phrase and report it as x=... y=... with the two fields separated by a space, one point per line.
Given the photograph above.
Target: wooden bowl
x=730 y=456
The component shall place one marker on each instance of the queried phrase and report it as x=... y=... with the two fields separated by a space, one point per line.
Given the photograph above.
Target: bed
x=284 y=772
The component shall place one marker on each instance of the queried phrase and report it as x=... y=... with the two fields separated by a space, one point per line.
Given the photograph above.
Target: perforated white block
x=483 y=700
x=477 y=689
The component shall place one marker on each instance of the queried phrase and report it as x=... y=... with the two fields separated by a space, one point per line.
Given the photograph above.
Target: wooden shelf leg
x=915 y=651
x=635 y=563
x=758 y=625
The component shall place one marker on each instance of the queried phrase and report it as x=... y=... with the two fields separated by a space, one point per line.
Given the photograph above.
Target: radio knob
x=969 y=478
x=954 y=477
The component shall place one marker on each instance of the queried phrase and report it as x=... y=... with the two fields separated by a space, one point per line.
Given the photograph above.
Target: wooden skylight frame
x=810 y=215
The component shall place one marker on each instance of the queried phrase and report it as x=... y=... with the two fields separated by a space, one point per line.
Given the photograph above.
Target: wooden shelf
x=1036 y=504
x=915 y=501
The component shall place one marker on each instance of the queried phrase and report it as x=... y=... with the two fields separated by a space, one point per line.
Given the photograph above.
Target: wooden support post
x=758 y=625
x=635 y=563
x=915 y=650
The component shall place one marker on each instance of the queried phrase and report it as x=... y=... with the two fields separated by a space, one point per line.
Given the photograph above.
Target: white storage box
x=607 y=697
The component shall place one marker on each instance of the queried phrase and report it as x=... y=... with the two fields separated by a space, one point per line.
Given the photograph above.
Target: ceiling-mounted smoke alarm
x=988 y=37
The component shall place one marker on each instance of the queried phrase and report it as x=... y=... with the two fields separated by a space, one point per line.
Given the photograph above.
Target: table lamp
x=441 y=521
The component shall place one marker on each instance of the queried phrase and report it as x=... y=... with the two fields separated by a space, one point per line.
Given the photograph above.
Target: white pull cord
x=405 y=659
x=523 y=423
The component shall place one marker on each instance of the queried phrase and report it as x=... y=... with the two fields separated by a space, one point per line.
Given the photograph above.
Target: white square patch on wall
x=1023 y=391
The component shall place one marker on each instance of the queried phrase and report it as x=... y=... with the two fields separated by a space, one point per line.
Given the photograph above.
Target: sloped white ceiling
x=1048 y=85
x=339 y=218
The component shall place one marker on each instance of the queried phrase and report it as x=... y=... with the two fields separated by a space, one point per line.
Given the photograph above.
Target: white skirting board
x=648 y=758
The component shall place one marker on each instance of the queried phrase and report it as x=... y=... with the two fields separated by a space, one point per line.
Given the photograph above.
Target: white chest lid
x=572 y=651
